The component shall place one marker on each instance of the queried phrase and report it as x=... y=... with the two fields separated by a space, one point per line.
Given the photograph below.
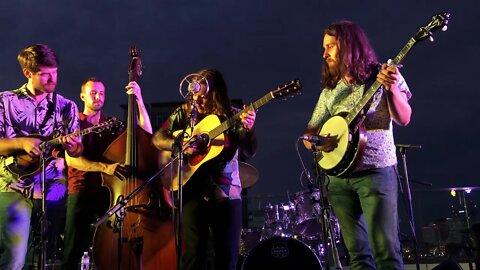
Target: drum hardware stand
x=325 y=210
x=467 y=235
x=403 y=150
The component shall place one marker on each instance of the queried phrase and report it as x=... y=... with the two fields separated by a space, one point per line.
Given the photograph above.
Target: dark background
x=259 y=45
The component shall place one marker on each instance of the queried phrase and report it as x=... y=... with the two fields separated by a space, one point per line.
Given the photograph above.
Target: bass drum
x=281 y=253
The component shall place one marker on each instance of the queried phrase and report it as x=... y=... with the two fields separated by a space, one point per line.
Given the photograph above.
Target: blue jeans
x=365 y=204
x=15 y=212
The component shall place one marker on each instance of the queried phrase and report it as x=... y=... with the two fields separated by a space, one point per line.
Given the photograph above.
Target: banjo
x=349 y=128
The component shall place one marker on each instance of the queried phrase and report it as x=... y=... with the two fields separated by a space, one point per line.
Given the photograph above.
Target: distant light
x=453 y=193
x=468 y=190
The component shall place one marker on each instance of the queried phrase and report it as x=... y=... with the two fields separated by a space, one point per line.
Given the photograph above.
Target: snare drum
x=281 y=253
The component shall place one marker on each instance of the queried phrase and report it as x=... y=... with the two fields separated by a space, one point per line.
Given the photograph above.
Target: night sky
x=259 y=45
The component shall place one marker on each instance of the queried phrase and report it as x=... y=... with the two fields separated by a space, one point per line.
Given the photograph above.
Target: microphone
x=192 y=84
x=408 y=146
x=193 y=87
x=314 y=139
x=193 y=114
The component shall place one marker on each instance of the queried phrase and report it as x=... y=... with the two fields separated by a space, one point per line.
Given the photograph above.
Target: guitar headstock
x=288 y=89
x=135 y=67
x=438 y=21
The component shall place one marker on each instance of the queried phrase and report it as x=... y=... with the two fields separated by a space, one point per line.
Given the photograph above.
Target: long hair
x=357 y=58
x=34 y=56
x=217 y=100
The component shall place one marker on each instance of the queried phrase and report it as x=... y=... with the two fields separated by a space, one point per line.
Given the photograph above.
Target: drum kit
x=291 y=235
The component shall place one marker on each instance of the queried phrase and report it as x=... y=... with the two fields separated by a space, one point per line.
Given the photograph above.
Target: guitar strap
x=51 y=111
x=24 y=186
x=368 y=83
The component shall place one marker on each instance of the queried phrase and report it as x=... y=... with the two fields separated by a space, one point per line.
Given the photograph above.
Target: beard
x=331 y=73
x=96 y=107
x=44 y=88
x=333 y=68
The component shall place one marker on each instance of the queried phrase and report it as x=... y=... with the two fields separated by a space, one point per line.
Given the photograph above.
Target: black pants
x=82 y=210
x=53 y=225
x=221 y=220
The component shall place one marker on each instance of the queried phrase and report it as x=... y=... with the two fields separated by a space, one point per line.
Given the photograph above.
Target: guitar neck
x=56 y=141
x=368 y=95
x=227 y=124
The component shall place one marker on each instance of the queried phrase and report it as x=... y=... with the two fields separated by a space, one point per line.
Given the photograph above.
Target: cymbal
x=248 y=174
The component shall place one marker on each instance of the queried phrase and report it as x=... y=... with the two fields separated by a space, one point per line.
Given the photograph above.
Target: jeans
x=15 y=212
x=365 y=204
x=224 y=219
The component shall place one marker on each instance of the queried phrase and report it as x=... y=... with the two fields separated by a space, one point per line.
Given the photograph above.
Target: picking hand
x=31 y=146
x=331 y=142
x=122 y=171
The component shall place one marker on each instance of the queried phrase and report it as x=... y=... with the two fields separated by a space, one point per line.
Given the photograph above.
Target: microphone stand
x=403 y=150
x=327 y=230
x=467 y=234
x=177 y=150
x=43 y=214
x=122 y=201
x=178 y=153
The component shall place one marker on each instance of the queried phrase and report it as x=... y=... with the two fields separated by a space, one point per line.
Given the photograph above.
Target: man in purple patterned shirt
x=34 y=108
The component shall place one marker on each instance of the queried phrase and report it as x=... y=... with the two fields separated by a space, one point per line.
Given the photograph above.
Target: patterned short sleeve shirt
x=20 y=116
x=380 y=148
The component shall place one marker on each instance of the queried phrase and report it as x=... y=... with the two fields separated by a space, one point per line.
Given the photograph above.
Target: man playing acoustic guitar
x=34 y=108
x=364 y=198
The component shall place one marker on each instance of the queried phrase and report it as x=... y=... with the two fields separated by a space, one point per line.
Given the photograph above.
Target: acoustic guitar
x=210 y=132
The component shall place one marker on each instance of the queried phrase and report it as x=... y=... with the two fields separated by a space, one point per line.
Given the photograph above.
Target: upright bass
x=140 y=235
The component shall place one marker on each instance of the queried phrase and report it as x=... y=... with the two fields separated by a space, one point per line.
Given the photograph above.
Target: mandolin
x=23 y=165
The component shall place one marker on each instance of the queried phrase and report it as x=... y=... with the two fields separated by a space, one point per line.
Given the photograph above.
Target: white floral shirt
x=380 y=149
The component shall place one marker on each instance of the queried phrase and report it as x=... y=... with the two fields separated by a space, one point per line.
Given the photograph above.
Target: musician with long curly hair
x=364 y=198
x=211 y=197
